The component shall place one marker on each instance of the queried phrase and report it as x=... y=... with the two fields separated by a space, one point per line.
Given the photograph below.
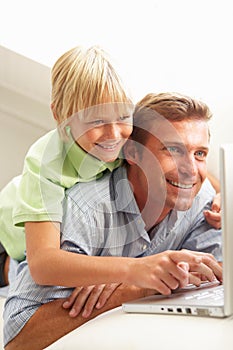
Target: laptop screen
x=226 y=181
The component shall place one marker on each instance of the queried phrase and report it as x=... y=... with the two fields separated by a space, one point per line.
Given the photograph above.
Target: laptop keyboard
x=215 y=293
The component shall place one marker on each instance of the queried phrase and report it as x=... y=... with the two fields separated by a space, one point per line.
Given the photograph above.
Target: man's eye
x=200 y=155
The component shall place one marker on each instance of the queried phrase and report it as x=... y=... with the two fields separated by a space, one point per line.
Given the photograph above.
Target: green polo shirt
x=51 y=166
x=11 y=237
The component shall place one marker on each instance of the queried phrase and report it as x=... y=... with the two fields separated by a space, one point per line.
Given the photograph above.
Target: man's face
x=174 y=162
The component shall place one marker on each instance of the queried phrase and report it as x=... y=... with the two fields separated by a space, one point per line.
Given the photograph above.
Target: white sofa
x=116 y=330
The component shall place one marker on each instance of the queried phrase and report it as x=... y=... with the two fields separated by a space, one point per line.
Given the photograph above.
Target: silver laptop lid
x=226 y=180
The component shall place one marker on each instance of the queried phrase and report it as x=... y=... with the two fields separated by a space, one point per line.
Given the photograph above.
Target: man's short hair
x=168 y=105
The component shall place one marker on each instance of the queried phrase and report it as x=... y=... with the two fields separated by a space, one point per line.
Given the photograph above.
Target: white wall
x=158 y=45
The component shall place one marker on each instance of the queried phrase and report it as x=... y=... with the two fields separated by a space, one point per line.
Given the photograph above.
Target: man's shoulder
x=91 y=194
x=207 y=190
x=203 y=198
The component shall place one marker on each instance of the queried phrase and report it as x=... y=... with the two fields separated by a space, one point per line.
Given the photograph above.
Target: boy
x=94 y=119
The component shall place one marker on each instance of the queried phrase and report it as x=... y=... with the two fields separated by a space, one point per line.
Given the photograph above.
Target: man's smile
x=180 y=185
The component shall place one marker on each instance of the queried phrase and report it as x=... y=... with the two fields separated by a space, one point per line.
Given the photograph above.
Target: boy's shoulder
x=51 y=137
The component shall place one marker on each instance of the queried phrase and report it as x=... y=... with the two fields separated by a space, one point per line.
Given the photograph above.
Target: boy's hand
x=85 y=299
x=213 y=216
x=164 y=272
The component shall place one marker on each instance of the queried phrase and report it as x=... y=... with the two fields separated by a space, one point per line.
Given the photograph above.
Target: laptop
x=207 y=300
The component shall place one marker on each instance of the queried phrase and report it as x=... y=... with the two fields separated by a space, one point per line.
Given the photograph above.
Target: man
x=151 y=209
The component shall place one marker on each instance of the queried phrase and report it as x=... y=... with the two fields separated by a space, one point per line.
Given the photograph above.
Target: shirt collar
x=87 y=166
x=122 y=193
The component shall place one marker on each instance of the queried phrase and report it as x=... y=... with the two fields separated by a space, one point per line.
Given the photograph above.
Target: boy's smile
x=103 y=130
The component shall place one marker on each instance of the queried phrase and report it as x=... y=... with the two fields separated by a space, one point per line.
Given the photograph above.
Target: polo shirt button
x=144 y=247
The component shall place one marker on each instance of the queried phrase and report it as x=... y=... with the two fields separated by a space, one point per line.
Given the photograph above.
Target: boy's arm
x=214 y=182
x=50 y=265
x=213 y=216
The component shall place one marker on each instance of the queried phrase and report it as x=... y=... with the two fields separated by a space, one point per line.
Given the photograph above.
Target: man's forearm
x=51 y=321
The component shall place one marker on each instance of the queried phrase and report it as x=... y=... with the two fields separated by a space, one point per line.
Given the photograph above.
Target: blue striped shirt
x=102 y=218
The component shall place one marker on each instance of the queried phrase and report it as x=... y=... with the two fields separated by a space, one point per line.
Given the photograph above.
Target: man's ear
x=131 y=152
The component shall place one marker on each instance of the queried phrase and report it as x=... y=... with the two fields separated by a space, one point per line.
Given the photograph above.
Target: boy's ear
x=54 y=113
x=131 y=152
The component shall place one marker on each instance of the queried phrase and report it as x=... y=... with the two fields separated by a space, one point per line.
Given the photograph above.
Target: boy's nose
x=112 y=130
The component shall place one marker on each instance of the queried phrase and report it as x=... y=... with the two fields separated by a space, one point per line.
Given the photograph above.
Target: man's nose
x=189 y=165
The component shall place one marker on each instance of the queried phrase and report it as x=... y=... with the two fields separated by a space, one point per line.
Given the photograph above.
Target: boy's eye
x=97 y=122
x=124 y=117
x=173 y=149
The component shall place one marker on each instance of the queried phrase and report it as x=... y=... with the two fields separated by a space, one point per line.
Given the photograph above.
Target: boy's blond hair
x=82 y=78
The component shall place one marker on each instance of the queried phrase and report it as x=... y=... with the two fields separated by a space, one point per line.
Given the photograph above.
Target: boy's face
x=172 y=164
x=102 y=130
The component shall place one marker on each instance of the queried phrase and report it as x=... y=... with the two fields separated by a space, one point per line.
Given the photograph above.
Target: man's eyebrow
x=181 y=144
x=204 y=148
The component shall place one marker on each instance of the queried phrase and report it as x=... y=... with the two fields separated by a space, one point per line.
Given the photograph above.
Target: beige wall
x=24 y=109
x=221 y=127
x=15 y=138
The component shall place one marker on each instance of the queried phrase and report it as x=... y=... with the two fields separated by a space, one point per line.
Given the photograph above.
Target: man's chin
x=183 y=206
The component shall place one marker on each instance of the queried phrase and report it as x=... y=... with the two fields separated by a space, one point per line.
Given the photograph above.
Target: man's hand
x=85 y=299
x=213 y=216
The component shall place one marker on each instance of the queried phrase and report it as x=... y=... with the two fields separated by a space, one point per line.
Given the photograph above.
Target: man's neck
x=150 y=210
x=152 y=216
